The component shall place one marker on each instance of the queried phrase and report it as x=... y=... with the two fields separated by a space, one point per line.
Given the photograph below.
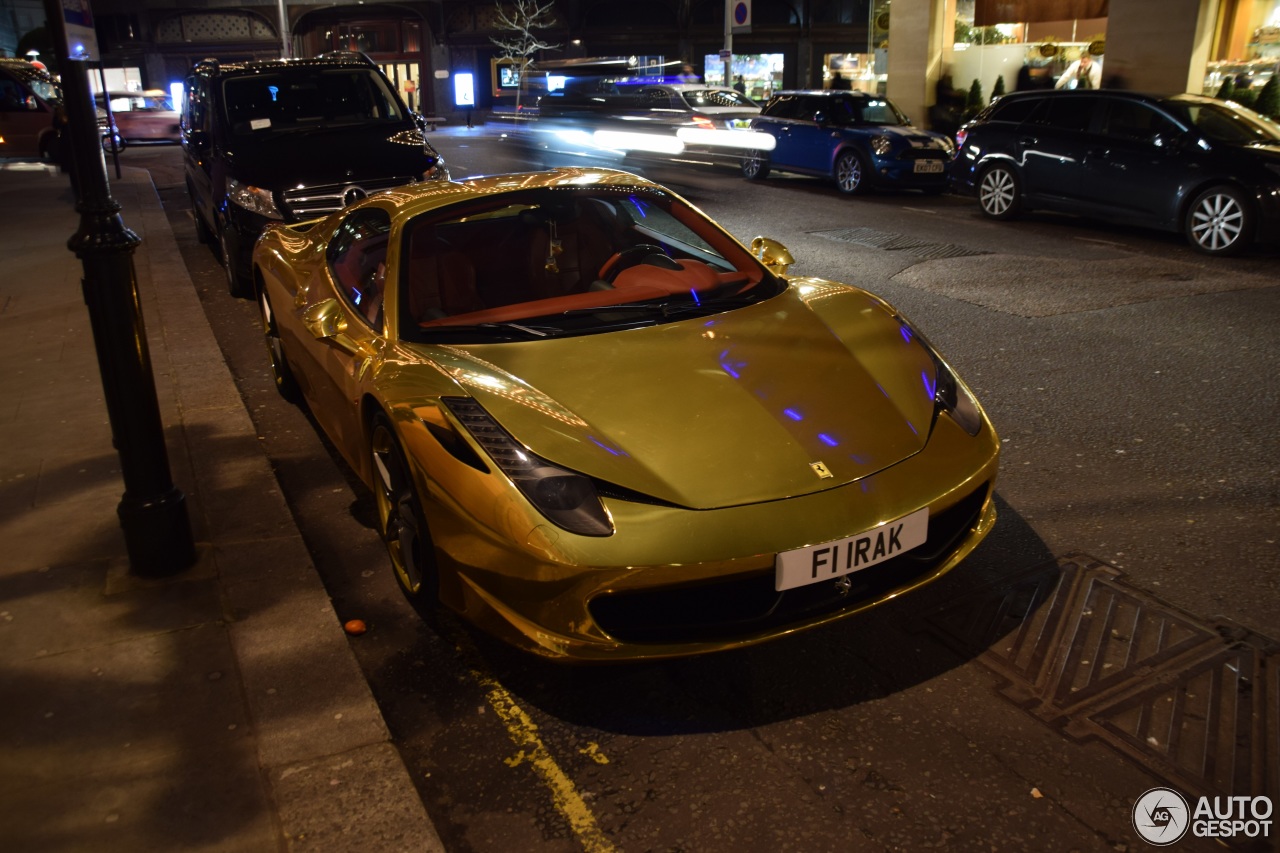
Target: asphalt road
x=1105 y=639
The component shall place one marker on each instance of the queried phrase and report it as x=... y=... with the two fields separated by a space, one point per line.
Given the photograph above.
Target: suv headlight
x=567 y=499
x=253 y=199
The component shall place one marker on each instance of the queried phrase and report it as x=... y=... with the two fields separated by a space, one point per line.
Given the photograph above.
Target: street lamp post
x=152 y=511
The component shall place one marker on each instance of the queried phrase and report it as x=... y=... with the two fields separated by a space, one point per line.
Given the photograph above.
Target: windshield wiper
x=669 y=309
x=510 y=330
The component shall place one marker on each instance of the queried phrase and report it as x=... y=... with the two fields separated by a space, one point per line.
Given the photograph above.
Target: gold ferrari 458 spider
x=601 y=428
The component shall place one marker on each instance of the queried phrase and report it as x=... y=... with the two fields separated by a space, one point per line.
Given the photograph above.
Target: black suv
x=289 y=140
x=1204 y=168
x=857 y=140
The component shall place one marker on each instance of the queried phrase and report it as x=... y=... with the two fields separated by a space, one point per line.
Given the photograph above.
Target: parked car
x=291 y=140
x=601 y=428
x=31 y=111
x=858 y=140
x=147 y=116
x=1197 y=166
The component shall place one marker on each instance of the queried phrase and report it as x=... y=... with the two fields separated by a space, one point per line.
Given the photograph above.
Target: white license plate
x=928 y=167
x=852 y=554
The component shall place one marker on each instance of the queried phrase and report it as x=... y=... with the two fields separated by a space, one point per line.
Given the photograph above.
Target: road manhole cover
x=1195 y=701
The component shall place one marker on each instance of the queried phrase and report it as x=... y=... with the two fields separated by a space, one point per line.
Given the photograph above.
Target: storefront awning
x=989 y=12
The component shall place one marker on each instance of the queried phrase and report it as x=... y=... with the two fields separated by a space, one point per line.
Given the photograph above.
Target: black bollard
x=152 y=511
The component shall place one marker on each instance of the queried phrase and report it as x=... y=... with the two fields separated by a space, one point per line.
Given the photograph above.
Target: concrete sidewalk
x=221 y=709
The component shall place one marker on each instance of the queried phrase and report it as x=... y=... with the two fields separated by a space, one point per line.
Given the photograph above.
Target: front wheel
x=755 y=165
x=1219 y=222
x=851 y=173
x=401 y=522
x=236 y=284
x=998 y=192
x=286 y=384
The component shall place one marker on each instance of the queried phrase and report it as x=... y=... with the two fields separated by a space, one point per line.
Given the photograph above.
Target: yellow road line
x=523 y=732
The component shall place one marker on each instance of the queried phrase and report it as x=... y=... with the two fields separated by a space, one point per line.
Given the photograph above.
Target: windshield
x=562 y=261
x=1233 y=125
x=305 y=97
x=846 y=112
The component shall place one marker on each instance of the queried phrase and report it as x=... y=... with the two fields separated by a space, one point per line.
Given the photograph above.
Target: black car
x=856 y=139
x=289 y=140
x=1201 y=167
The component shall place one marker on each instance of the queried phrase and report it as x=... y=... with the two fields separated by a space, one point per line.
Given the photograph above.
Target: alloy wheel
x=850 y=173
x=280 y=371
x=998 y=193
x=400 y=518
x=1218 y=222
x=754 y=165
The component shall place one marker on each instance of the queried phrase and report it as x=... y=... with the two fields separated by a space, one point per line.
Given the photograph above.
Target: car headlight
x=253 y=199
x=568 y=499
x=954 y=398
x=949 y=393
x=882 y=145
x=947 y=146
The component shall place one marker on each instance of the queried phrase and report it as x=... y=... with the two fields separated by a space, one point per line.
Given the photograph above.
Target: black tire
x=286 y=384
x=401 y=522
x=755 y=165
x=204 y=235
x=851 y=173
x=999 y=192
x=1220 y=222
x=236 y=284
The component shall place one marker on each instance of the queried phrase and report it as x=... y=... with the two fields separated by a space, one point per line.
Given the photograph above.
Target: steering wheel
x=628 y=258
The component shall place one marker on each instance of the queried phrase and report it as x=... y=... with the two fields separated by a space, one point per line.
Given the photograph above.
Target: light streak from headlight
x=748 y=140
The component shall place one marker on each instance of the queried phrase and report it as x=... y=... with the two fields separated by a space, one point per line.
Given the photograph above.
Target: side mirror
x=821 y=118
x=772 y=254
x=326 y=321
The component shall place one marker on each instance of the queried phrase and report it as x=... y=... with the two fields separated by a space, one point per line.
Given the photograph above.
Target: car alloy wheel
x=851 y=173
x=1219 y=222
x=401 y=523
x=998 y=194
x=235 y=282
x=286 y=384
x=755 y=165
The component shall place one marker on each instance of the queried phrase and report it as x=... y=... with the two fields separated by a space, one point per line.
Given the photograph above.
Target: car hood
x=904 y=134
x=718 y=411
x=330 y=156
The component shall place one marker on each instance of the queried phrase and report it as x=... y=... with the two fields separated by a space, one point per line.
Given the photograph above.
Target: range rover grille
x=310 y=202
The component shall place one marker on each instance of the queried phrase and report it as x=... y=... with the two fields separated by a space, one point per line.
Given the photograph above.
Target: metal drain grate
x=913 y=246
x=1196 y=701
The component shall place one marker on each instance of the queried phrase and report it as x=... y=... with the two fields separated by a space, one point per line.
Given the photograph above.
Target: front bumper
x=672 y=582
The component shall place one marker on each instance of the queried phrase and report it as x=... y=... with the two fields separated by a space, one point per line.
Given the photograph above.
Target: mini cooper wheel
x=236 y=285
x=1219 y=222
x=286 y=384
x=401 y=522
x=851 y=173
x=998 y=192
x=755 y=165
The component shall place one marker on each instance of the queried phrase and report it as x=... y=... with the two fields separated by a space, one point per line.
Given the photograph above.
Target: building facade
x=898 y=47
